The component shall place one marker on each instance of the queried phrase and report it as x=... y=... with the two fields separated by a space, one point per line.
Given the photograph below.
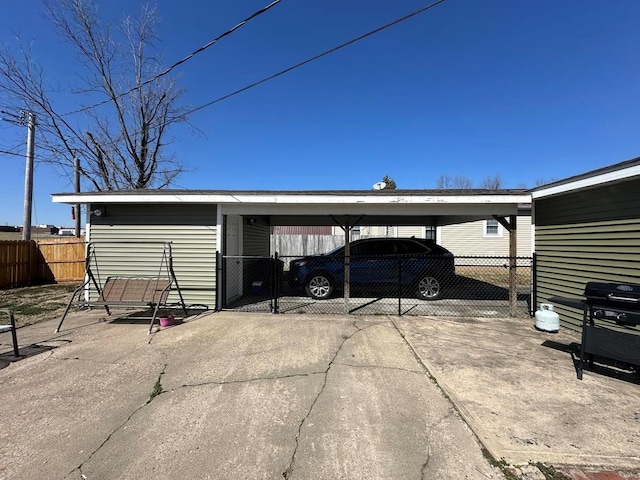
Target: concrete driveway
x=233 y=396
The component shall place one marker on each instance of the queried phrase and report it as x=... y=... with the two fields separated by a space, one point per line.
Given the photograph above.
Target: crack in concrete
x=87 y=360
x=289 y=470
x=118 y=428
x=423 y=470
x=247 y=380
x=382 y=367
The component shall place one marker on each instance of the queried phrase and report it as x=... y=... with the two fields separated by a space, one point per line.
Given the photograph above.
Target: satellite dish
x=379 y=186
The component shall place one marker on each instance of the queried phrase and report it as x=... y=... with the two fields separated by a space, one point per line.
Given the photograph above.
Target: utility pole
x=28 y=176
x=76 y=174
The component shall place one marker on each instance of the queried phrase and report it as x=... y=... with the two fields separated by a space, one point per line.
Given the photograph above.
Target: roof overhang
x=397 y=207
x=607 y=175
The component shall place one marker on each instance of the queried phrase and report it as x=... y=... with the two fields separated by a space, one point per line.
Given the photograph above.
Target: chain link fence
x=381 y=285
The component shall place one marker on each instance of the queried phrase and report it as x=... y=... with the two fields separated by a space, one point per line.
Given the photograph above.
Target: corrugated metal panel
x=191 y=229
x=589 y=235
x=468 y=239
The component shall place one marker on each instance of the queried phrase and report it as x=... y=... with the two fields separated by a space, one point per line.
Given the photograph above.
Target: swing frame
x=128 y=290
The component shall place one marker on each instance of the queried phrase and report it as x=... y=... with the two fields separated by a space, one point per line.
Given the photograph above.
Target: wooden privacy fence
x=28 y=262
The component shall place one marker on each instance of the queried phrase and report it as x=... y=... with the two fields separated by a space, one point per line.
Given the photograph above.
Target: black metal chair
x=11 y=327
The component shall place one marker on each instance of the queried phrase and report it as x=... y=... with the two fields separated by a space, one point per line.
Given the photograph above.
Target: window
x=430 y=232
x=492 y=228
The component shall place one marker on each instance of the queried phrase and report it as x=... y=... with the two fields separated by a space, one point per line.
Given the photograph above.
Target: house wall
x=468 y=239
x=190 y=228
x=586 y=235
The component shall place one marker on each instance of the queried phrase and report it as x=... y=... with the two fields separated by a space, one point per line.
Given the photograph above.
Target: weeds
x=157 y=387
x=499 y=464
x=550 y=473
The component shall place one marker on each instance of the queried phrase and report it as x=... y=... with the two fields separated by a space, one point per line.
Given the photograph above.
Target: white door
x=233 y=260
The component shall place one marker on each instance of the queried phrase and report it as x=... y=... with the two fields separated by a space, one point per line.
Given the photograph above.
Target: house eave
x=611 y=174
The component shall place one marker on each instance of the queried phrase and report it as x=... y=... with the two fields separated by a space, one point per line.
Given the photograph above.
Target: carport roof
x=324 y=207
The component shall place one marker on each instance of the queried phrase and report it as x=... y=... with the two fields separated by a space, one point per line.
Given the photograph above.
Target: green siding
x=620 y=201
x=190 y=228
x=256 y=239
x=588 y=235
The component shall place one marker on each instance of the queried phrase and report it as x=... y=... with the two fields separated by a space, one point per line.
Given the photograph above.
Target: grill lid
x=620 y=295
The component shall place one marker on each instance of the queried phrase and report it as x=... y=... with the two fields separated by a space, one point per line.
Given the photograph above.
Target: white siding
x=468 y=239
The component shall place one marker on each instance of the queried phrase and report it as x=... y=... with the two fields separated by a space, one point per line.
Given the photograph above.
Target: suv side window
x=409 y=247
x=361 y=249
x=373 y=248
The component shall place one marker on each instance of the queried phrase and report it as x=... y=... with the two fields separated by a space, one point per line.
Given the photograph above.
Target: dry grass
x=494 y=275
x=36 y=304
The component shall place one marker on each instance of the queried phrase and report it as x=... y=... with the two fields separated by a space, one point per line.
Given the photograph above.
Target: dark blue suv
x=417 y=266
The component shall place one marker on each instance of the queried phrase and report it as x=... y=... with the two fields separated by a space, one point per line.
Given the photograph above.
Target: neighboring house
x=486 y=238
x=587 y=228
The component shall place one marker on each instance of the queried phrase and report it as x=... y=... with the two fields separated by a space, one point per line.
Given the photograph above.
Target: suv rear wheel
x=319 y=286
x=429 y=288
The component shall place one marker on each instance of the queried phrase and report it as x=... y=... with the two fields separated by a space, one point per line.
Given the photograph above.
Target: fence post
x=34 y=265
x=276 y=283
x=534 y=284
x=218 y=275
x=399 y=287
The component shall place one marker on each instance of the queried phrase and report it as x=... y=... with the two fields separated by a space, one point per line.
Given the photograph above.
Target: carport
x=240 y=222
x=347 y=209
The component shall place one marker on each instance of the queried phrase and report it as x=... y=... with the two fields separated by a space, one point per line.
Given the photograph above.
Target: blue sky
x=523 y=89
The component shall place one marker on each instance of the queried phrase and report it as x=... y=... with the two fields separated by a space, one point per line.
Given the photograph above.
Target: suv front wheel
x=319 y=286
x=429 y=288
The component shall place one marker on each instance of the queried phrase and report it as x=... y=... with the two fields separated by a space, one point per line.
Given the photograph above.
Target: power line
x=180 y=62
x=298 y=65
x=6 y=152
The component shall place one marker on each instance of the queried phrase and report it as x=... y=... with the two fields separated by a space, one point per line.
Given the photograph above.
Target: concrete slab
x=305 y=397
x=517 y=388
x=242 y=396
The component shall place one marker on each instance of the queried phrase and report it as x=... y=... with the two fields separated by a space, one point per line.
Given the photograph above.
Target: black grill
x=616 y=302
x=612 y=303
x=610 y=317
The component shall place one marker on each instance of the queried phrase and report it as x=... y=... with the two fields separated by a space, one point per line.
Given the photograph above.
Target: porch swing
x=128 y=291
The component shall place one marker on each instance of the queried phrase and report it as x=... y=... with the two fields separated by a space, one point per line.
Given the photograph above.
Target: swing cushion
x=135 y=291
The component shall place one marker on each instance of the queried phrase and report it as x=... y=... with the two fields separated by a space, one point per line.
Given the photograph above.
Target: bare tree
x=492 y=182
x=543 y=181
x=458 y=182
x=122 y=142
x=443 y=182
x=462 y=182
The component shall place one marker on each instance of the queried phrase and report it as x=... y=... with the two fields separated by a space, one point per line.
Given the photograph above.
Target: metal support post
x=76 y=174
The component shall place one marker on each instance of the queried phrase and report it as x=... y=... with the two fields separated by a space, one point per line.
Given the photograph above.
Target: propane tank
x=546 y=319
